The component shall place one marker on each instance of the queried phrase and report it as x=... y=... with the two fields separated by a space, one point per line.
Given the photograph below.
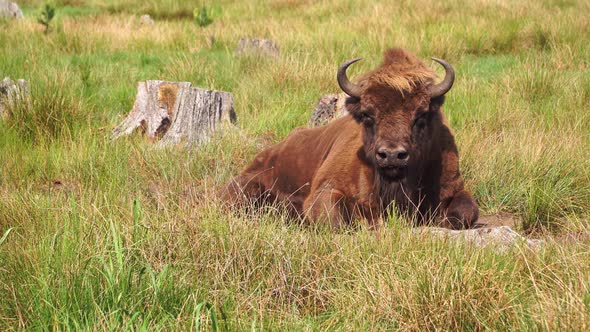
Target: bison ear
x=353 y=105
x=436 y=102
x=352 y=100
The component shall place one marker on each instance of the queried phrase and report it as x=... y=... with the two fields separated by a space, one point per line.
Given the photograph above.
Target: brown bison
x=394 y=148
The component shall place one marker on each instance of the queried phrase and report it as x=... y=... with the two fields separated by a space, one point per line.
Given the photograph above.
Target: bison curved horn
x=446 y=84
x=344 y=83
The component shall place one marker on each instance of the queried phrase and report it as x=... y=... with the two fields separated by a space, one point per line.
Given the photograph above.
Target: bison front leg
x=326 y=206
x=461 y=212
x=242 y=191
x=459 y=209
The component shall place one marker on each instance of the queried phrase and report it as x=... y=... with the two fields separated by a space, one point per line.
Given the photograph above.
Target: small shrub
x=201 y=17
x=46 y=16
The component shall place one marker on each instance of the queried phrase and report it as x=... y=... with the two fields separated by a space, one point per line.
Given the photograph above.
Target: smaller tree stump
x=175 y=112
x=329 y=107
x=12 y=93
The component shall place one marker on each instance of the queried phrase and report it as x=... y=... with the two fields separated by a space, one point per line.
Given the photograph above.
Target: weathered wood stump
x=329 y=107
x=12 y=93
x=175 y=112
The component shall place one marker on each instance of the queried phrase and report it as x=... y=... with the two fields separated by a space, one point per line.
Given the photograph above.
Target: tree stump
x=175 y=112
x=329 y=107
x=12 y=93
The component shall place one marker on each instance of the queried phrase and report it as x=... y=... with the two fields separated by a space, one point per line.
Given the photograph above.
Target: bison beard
x=395 y=147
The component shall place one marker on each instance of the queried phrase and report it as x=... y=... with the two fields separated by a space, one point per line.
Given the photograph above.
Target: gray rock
x=10 y=9
x=146 y=20
x=257 y=46
x=12 y=93
x=500 y=238
x=329 y=107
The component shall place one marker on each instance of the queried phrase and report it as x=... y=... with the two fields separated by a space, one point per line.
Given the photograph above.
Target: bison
x=395 y=148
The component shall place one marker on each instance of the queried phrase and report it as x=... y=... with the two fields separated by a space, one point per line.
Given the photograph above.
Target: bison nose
x=393 y=157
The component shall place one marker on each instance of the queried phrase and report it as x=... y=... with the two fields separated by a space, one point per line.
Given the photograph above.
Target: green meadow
x=118 y=235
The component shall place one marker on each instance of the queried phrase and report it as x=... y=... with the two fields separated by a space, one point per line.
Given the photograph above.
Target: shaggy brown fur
x=400 y=71
x=331 y=173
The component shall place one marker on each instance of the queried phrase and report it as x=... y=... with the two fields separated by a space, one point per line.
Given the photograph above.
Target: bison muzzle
x=394 y=149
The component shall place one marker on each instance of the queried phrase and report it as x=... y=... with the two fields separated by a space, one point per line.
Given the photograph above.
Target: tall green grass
x=108 y=235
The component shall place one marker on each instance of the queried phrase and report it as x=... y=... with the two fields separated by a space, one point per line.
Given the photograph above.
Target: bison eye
x=364 y=117
x=367 y=119
x=420 y=123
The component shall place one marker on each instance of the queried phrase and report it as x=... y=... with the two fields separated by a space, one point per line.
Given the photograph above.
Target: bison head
x=398 y=105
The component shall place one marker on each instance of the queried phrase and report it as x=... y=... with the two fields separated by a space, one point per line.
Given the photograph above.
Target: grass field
x=104 y=235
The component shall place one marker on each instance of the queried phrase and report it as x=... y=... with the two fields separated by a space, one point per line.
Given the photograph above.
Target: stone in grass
x=13 y=93
x=176 y=112
x=146 y=20
x=500 y=238
x=329 y=107
x=10 y=9
x=257 y=46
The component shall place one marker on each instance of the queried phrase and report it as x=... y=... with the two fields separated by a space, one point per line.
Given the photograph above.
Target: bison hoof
x=463 y=213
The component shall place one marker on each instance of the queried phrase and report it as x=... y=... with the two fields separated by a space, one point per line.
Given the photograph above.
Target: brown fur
x=330 y=174
x=400 y=71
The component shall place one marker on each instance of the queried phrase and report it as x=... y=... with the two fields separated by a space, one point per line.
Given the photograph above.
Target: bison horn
x=443 y=87
x=345 y=84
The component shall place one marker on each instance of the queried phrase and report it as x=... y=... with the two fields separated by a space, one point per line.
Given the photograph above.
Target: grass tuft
x=51 y=113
